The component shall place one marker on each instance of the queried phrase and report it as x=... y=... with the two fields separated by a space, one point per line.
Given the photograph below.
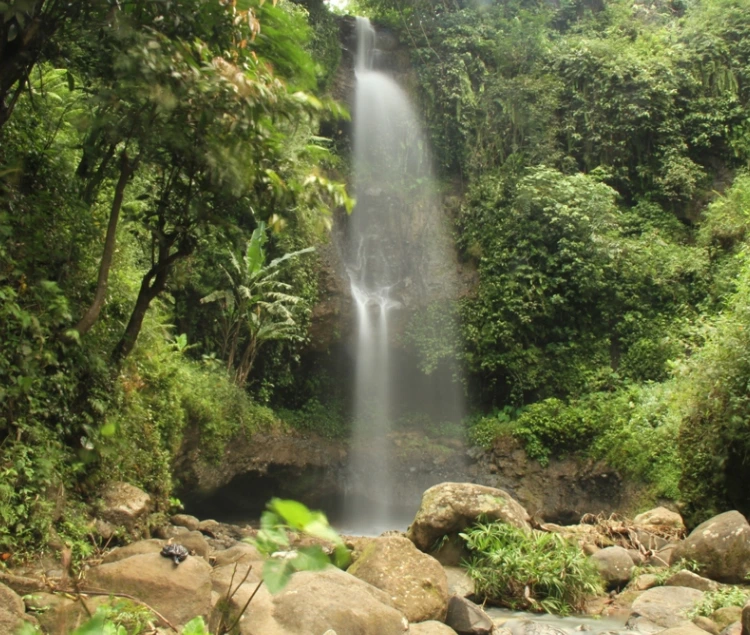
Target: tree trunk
x=87 y=321
x=154 y=282
x=19 y=55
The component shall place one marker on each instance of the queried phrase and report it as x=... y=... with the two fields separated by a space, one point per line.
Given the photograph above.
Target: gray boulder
x=706 y=624
x=12 y=610
x=415 y=582
x=124 y=504
x=726 y=616
x=660 y=517
x=615 y=566
x=179 y=592
x=459 y=582
x=137 y=548
x=317 y=601
x=449 y=508
x=431 y=628
x=721 y=546
x=191 y=523
x=692 y=581
x=466 y=618
x=687 y=628
x=667 y=606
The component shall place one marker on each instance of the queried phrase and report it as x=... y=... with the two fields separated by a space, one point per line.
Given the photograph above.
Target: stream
x=571 y=625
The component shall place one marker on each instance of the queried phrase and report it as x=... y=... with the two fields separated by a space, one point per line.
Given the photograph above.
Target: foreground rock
x=466 y=618
x=721 y=546
x=431 y=628
x=315 y=602
x=667 y=606
x=416 y=582
x=12 y=610
x=449 y=508
x=746 y=619
x=692 y=581
x=180 y=593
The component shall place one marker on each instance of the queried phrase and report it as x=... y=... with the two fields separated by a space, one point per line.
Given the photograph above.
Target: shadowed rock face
x=562 y=492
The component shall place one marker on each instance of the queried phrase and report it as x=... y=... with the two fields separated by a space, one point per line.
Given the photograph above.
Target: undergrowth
x=535 y=571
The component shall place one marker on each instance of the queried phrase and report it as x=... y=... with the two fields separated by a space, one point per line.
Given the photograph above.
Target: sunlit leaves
x=272 y=539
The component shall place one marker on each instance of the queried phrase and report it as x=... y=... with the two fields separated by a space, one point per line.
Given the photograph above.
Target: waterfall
x=396 y=256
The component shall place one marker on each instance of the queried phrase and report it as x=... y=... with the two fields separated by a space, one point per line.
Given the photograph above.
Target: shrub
x=535 y=571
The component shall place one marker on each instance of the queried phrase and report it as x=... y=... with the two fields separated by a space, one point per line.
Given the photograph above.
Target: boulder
x=645 y=581
x=662 y=558
x=692 y=581
x=179 y=592
x=649 y=540
x=721 y=546
x=639 y=624
x=61 y=615
x=449 y=508
x=431 y=628
x=746 y=619
x=242 y=553
x=706 y=624
x=190 y=523
x=733 y=629
x=124 y=504
x=12 y=610
x=666 y=606
x=660 y=517
x=133 y=549
x=232 y=590
x=170 y=532
x=316 y=601
x=459 y=582
x=195 y=543
x=727 y=615
x=466 y=618
x=615 y=566
x=20 y=584
x=636 y=556
x=415 y=582
x=687 y=628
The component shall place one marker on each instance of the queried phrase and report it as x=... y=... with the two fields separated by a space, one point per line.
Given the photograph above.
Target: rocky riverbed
x=397 y=583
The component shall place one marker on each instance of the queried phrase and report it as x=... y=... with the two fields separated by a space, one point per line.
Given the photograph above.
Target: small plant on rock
x=534 y=570
x=720 y=598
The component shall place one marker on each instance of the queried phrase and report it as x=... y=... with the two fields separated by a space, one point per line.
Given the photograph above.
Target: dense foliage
x=600 y=150
x=156 y=154
x=140 y=145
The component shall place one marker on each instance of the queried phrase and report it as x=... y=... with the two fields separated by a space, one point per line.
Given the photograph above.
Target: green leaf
x=310 y=559
x=95 y=626
x=196 y=626
x=276 y=574
x=294 y=513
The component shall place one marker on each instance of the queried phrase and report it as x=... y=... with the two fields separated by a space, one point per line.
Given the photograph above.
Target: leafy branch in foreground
x=535 y=571
x=273 y=540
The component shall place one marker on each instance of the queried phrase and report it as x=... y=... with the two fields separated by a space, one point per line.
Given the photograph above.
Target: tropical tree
x=257 y=306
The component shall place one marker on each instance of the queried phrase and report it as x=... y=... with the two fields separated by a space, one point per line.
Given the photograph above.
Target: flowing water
x=397 y=255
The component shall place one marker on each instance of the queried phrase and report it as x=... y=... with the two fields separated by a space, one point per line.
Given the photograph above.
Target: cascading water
x=397 y=254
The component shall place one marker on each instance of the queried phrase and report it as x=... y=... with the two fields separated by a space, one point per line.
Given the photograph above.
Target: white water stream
x=396 y=248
